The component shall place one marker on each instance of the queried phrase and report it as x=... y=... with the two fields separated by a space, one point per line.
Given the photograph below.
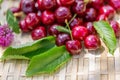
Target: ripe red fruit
x=38 y=33
x=107 y=10
x=62 y=13
x=32 y=20
x=67 y=2
x=23 y=26
x=62 y=39
x=101 y=17
x=27 y=6
x=74 y=47
x=40 y=5
x=79 y=32
x=115 y=4
x=116 y=27
x=96 y=3
x=92 y=42
x=48 y=17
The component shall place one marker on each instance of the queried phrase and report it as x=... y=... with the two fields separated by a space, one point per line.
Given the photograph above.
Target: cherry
x=79 y=7
x=101 y=17
x=58 y=3
x=49 y=4
x=53 y=31
x=38 y=33
x=23 y=26
x=62 y=13
x=67 y=2
x=116 y=27
x=90 y=27
x=48 y=17
x=107 y=10
x=15 y=9
x=27 y=6
x=90 y=14
x=39 y=15
x=74 y=47
x=32 y=20
x=40 y=5
x=62 y=39
x=115 y=4
x=79 y=32
x=92 y=42
x=76 y=22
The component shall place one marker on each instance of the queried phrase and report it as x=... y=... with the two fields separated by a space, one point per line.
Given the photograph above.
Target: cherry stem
x=72 y=18
x=67 y=24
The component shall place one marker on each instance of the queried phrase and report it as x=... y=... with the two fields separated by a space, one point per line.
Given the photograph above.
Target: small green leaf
x=107 y=34
x=48 y=62
x=27 y=51
x=62 y=29
x=12 y=22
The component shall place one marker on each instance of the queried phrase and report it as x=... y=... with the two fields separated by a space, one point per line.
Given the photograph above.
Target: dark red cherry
x=101 y=17
x=107 y=10
x=32 y=20
x=79 y=7
x=48 y=17
x=27 y=6
x=76 y=22
x=40 y=5
x=90 y=14
x=92 y=42
x=23 y=26
x=62 y=39
x=74 y=47
x=79 y=32
x=53 y=31
x=67 y=2
x=115 y=4
x=116 y=27
x=58 y=3
x=38 y=33
x=15 y=9
x=62 y=13
x=90 y=27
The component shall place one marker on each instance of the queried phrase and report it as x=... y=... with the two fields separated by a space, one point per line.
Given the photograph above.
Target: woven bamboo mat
x=96 y=65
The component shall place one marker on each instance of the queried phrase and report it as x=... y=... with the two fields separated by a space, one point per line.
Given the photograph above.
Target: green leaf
x=1 y=1
x=107 y=34
x=48 y=62
x=27 y=51
x=62 y=29
x=12 y=22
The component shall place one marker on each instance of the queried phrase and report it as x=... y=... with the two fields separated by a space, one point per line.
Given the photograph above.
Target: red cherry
x=74 y=47
x=62 y=39
x=79 y=32
x=48 y=17
x=101 y=17
x=116 y=27
x=38 y=33
x=32 y=20
x=62 y=13
x=115 y=4
x=40 y=5
x=67 y=2
x=58 y=3
x=23 y=26
x=92 y=42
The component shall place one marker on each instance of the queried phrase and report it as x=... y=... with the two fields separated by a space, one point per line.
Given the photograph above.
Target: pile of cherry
x=43 y=16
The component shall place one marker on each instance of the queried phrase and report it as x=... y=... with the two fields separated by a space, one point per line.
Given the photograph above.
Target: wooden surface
x=96 y=65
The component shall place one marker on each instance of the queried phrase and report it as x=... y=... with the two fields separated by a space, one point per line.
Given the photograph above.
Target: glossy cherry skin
x=90 y=27
x=61 y=39
x=40 y=5
x=58 y=3
x=62 y=13
x=90 y=14
x=53 y=31
x=79 y=32
x=92 y=42
x=48 y=17
x=23 y=26
x=115 y=4
x=15 y=9
x=27 y=6
x=116 y=27
x=74 y=47
x=76 y=22
x=67 y=2
x=101 y=17
x=38 y=33
x=79 y=7
x=32 y=20
x=107 y=10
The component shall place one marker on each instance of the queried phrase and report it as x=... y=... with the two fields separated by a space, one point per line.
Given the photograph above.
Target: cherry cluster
x=44 y=16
